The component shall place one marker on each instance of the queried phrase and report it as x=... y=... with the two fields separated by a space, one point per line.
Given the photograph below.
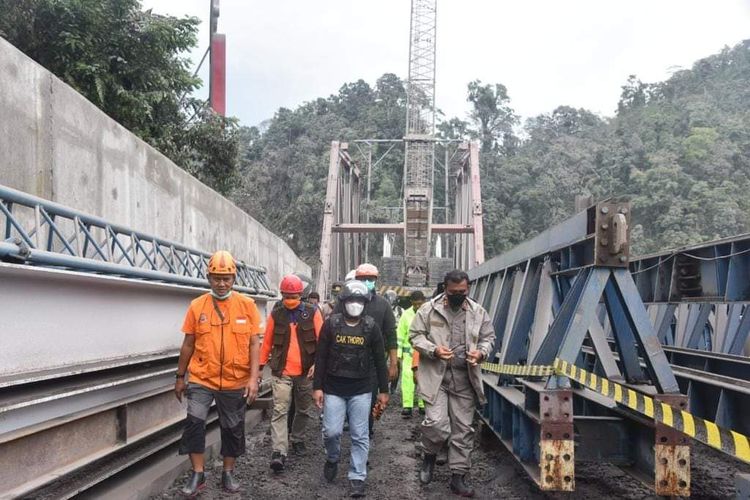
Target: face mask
x=291 y=303
x=370 y=284
x=354 y=309
x=456 y=300
x=221 y=297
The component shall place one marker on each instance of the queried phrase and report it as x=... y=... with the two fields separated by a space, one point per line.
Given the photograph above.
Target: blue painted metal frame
x=40 y=232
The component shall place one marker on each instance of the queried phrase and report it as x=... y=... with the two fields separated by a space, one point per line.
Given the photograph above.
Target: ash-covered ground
x=395 y=458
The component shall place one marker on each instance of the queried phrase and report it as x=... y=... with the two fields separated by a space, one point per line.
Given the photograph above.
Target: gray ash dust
x=394 y=461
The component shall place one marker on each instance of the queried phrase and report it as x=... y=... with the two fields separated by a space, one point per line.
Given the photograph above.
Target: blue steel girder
x=43 y=233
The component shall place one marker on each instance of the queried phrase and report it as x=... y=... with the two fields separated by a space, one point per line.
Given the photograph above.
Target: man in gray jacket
x=453 y=335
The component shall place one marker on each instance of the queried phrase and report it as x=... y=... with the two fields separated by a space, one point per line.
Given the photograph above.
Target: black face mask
x=456 y=300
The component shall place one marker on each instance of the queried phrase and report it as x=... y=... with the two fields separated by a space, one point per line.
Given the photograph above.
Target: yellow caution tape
x=707 y=432
x=400 y=291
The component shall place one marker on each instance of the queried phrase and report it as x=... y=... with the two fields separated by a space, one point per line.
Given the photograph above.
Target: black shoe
x=428 y=466
x=228 y=482
x=357 y=488
x=330 y=469
x=422 y=412
x=299 y=448
x=460 y=487
x=277 y=461
x=195 y=485
x=406 y=413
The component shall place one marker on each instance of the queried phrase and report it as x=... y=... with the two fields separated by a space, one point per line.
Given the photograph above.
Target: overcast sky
x=548 y=53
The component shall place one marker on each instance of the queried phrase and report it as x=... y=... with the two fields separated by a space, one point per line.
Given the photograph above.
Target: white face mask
x=354 y=309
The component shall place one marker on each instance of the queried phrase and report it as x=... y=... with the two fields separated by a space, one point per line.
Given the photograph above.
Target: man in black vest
x=349 y=353
x=290 y=342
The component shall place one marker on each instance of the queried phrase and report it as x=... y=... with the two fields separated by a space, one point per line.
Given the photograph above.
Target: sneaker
x=195 y=485
x=330 y=469
x=357 y=488
x=406 y=413
x=277 y=461
x=299 y=448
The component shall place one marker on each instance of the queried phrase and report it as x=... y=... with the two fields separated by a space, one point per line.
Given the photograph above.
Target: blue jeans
x=357 y=408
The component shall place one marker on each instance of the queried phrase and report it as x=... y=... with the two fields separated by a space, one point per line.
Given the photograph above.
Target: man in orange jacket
x=289 y=346
x=220 y=352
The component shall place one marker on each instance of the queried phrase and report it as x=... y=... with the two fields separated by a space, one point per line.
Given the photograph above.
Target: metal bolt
x=623 y=210
x=605 y=227
x=623 y=258
x=605 y=210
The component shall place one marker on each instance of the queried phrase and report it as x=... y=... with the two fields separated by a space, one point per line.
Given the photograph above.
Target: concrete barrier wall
x=57 y=145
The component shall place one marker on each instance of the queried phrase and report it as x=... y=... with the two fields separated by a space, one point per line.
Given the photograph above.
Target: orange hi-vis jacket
x=221 y=360
x=293 y=366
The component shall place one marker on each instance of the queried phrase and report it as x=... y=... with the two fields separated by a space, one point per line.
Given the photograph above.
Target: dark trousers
x=231 y=406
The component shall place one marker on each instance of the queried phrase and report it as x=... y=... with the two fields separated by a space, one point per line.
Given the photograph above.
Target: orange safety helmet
x=366 y=270
x=291 y=284
x=222 y=262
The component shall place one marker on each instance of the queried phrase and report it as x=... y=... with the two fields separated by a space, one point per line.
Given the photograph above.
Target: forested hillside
x=679 y=149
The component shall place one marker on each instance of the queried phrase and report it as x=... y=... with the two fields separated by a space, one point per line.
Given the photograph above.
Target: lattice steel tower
x=419 y=158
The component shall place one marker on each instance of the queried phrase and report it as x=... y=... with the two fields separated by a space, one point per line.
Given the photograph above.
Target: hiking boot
x=357 y=488
x=228 y=482
x=277 y=461
x=428 y=466
x=330 y=469
x=299 y=448
x=194 y=485
x=406 y=413
x=460 y=487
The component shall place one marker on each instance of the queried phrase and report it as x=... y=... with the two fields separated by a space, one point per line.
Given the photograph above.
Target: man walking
x=405 y=354
x=453 y=334
x=380 y=310
x=290 y=342
x=350 y=351
x=220 y=353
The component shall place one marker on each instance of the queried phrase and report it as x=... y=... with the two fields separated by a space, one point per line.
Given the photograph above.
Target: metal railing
x=44 y=233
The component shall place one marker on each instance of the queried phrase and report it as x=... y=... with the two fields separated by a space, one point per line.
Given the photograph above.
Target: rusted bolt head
x=605 y=210
x=550 y=456
x=568 y=479
x=682 y=484
x=664 y=461
x=566 y=456
x=682 y=462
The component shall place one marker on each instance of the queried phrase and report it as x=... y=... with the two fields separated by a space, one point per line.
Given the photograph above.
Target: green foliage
x=130 y=63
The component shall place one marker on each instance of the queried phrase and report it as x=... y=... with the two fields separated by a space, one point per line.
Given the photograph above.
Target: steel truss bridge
x=666 y=328
x=86 y=377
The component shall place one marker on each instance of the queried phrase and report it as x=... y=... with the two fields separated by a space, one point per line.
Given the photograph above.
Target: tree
x=130 y=63
x=491 y=114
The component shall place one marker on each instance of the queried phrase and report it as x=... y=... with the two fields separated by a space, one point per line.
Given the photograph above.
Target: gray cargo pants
x=450 y=419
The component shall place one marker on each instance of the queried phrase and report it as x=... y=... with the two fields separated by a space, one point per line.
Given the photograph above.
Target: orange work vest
x=221 y=360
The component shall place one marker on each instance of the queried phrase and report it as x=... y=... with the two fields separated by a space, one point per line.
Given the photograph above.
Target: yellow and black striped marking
x=705 y=431
x=520 y=370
